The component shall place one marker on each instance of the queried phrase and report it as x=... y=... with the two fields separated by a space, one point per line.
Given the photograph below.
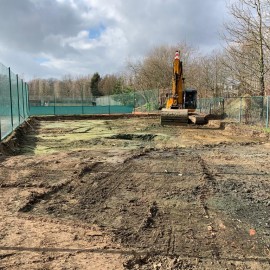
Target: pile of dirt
x=12 y=144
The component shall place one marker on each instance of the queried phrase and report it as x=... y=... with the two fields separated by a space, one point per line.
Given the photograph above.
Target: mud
x=127 y=193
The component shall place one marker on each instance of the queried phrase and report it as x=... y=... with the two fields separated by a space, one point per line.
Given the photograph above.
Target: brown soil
x=127 y=193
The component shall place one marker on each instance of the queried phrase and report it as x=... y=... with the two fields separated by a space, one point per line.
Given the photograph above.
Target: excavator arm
x=176 y=99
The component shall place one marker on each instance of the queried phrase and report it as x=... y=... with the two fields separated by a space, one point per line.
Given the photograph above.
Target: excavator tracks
x=174 y=117
x=181 y=118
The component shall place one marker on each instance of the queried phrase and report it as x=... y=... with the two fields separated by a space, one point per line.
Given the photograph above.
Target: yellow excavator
x=180 y=107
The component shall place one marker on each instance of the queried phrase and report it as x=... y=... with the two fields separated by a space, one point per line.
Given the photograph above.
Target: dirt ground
x=128 y=193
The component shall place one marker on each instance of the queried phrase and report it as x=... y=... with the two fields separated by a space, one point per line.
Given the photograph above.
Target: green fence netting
x=143 y=101
x=13 y=101
x=249 y=110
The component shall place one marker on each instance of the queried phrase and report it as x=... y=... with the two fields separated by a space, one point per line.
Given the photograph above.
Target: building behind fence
x=13 y=101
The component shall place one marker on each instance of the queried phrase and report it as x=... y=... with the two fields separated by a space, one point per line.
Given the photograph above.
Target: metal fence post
x=18 y=94
x=134 y=100
x=27 y=100
x=267 y=112
x=82 y=99
x=240 y=110
x=54 y=101
x=23 y=101
x=109 y=101
x=262 y=102
x=223 y=107
x=10 y=93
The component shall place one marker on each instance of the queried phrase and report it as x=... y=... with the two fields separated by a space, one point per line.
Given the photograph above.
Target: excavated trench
x=143 y=137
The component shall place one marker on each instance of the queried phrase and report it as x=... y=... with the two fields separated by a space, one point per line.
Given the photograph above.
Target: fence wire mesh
x=249 y=110
x=13 y=101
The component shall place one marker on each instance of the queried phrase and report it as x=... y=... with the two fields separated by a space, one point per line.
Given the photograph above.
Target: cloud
x=50 y=38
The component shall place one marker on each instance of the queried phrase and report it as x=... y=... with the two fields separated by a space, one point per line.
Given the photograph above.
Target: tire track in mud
x=209 y=186
x=51 y=189
x=233 y=197
x=166 y=230
x=170 y=230
x=202 y=191
x=171 y=240
x=35 y=197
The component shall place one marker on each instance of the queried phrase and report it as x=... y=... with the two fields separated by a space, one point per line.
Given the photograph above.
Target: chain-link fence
x=249 y=110
x=246 y=109
x=13 y=101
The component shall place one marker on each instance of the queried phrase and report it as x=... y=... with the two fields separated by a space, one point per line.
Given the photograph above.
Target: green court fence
x=142 y=101
x=249 y=110
x=13 y=101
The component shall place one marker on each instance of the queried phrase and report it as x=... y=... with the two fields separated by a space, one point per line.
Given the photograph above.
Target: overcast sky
x=50 y=38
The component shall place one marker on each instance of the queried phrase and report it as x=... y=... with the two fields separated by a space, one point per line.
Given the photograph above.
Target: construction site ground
x=128 y=193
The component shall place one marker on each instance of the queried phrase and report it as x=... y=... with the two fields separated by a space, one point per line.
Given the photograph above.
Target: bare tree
x=247 y=44
x=154 y=71
x=108 y=84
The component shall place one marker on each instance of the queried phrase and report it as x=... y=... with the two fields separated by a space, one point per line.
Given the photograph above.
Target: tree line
x=240 y=68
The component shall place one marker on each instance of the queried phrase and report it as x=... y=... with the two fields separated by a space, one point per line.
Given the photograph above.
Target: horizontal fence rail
x=247 y=109
x=13 y=101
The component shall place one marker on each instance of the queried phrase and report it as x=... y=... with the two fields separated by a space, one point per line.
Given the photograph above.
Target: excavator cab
x=190 y=99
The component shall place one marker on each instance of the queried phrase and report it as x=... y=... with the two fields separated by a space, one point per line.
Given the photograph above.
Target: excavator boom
x=176 y=98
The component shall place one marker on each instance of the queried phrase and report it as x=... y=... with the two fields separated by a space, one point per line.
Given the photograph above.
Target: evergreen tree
x=94 y=85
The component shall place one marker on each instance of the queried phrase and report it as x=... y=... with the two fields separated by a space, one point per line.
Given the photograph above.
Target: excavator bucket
x=174 y=117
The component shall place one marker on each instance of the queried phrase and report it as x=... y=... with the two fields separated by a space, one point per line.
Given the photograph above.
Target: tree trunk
x=262 y=83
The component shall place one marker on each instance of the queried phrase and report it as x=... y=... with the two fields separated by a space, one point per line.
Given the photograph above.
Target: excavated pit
x=142 y=137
